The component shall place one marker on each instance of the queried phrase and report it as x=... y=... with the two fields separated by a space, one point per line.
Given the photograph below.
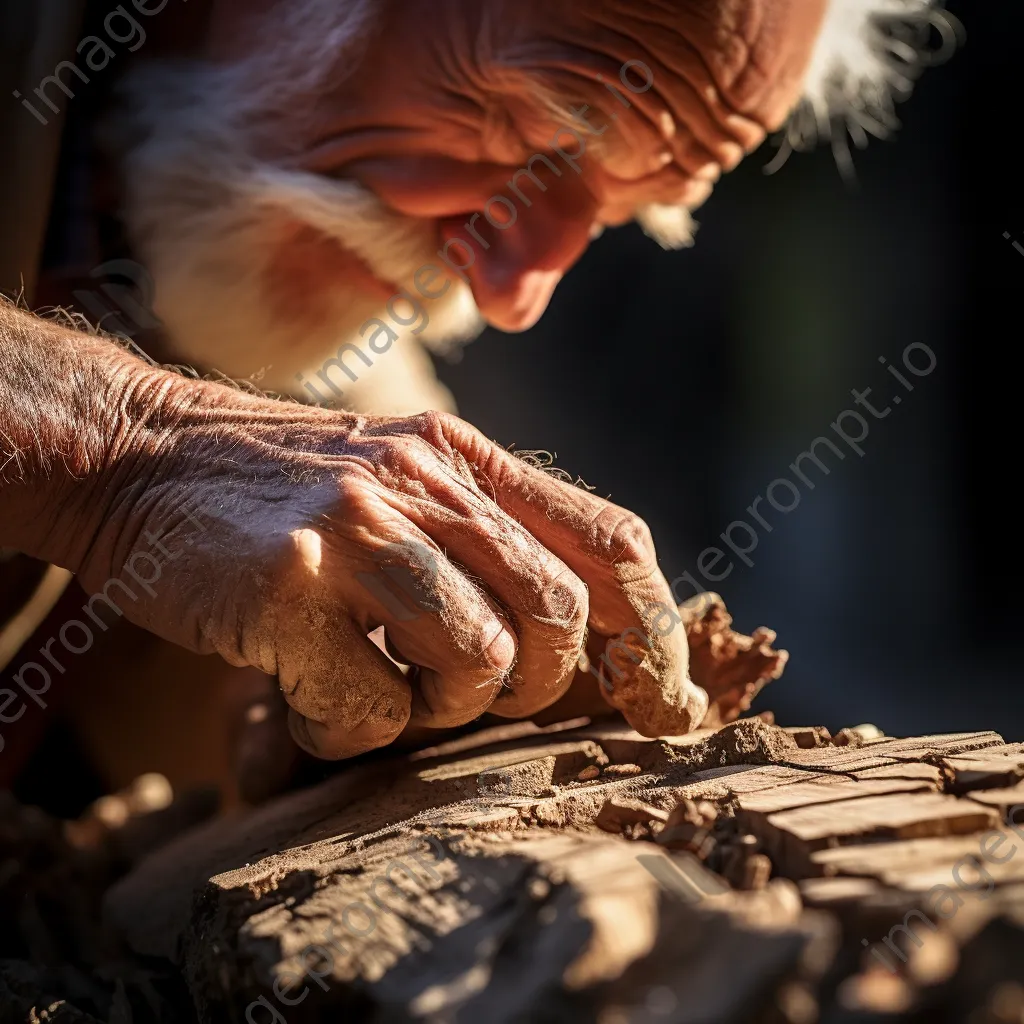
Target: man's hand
x=308 y=519
x=274 y=535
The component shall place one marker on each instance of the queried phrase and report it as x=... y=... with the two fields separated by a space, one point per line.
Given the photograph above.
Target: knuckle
x=457 y=439
x=299 y=562
x=436 y=447
x=623 y=538
x=435 y=427
x=350 y=498
x=564 y=602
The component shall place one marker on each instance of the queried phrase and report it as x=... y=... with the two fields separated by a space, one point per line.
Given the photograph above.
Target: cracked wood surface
x=585 y=873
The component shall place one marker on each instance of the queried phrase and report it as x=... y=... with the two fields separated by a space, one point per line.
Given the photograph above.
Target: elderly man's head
x=330 y=169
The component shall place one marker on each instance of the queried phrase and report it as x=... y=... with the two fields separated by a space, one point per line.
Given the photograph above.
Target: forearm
x=76 y=412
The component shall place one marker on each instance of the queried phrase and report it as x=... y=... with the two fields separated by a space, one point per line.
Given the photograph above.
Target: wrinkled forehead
x=393 y=95
x=739 y=57
x=751 y=53
x=379 y=91
x=753 y=58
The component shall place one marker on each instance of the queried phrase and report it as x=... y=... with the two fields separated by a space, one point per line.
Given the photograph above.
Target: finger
x=436 y=619
x=346 y=695
x=611 y=551
x=614 y=663
x=544 y=599
x=372 y=565
x=394 y=575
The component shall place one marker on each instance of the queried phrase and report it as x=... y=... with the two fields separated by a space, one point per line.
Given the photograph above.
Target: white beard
x=868 y=55
x=207 y=195
x=206 y=198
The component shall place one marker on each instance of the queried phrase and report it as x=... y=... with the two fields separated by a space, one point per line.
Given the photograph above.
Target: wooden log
x=829 y=791
x=792 y=836
x=536 y=875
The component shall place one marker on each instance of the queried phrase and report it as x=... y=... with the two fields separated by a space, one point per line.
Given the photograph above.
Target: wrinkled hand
x=279 y=536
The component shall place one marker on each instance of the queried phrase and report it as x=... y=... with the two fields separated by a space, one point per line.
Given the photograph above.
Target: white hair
x=867 y=58
x=208 y=154
x=204 y=154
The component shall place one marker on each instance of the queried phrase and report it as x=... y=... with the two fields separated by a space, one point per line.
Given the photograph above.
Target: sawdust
x=749 y=741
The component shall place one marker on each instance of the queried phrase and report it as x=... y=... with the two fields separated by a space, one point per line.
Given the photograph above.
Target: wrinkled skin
x=268 y=518
x=440 y=113
x=442 y=110
x=445 y=106
x=713 y=100
x=296 y=502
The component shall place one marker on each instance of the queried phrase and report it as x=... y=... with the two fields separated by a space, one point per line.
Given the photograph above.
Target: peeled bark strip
x=731 y=666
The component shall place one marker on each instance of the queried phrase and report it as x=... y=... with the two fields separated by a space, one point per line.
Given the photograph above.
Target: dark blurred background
x=682 y=384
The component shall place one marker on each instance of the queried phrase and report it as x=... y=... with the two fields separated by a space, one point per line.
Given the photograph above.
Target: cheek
x=304 y=271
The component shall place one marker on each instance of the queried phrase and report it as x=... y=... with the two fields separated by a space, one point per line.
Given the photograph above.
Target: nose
x=524 y=242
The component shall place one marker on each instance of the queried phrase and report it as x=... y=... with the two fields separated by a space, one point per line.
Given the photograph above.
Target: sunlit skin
x=444 y=108
x=446 y=103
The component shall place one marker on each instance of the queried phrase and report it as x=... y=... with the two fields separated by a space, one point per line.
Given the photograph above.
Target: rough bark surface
x=570 y=871
x=583 y=872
